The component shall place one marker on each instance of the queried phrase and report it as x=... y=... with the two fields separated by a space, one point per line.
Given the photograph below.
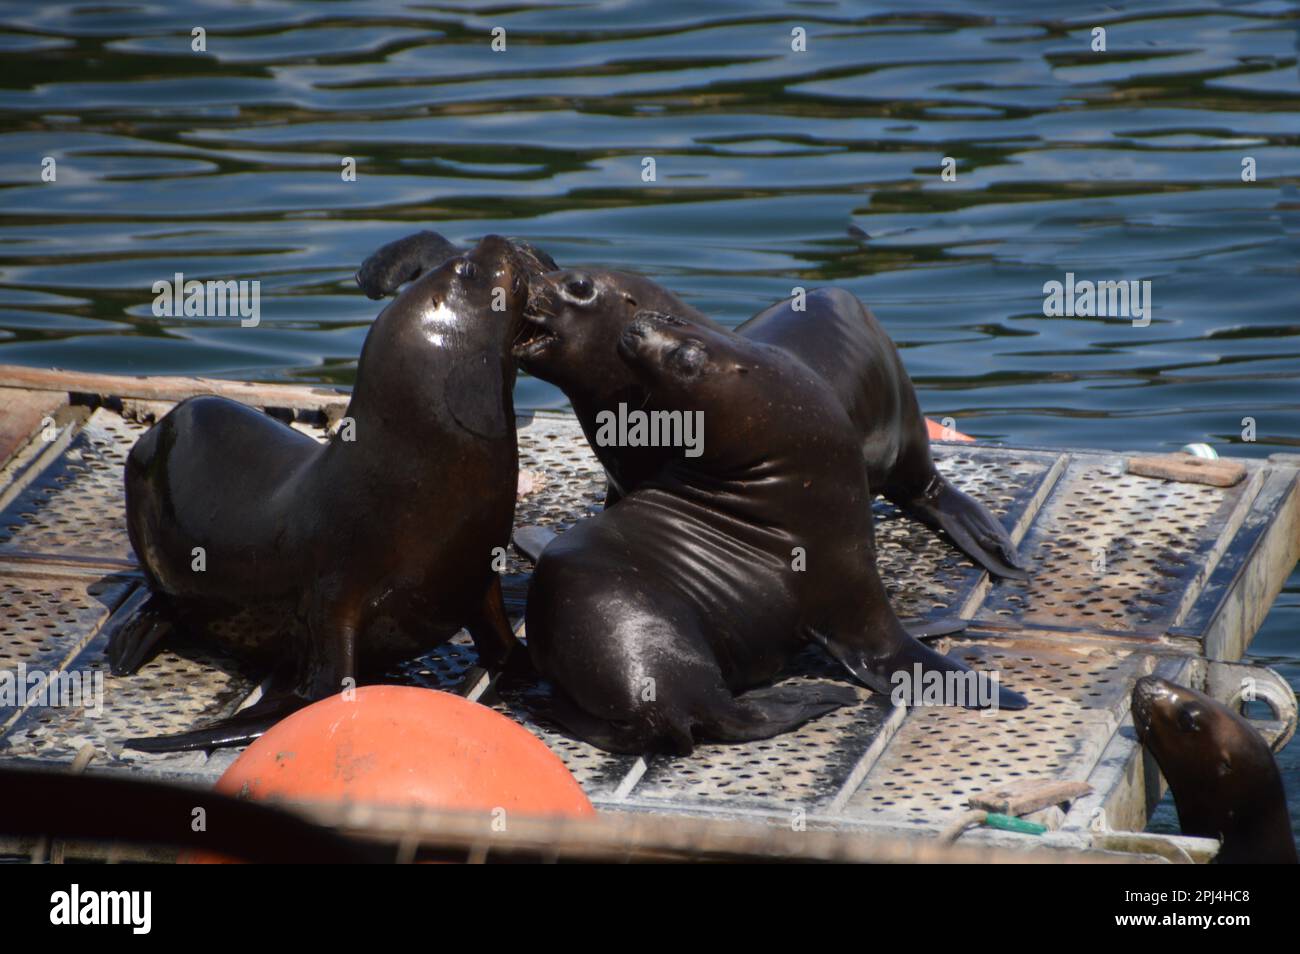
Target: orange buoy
x=938 y=432
x=401 y=745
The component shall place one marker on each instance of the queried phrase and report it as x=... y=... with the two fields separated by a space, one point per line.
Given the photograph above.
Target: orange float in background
x=936 y=432
x=402 y=745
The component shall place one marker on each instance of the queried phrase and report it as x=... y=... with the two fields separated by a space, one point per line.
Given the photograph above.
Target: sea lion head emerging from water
x=1223 y=776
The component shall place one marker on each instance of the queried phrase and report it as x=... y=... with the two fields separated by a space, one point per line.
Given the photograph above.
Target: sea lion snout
x=645 y=337
x=497 y=263
x=1146 y=692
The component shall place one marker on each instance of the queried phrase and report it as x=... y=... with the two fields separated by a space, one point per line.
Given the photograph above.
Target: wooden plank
x=1029 y=795
x=22 y=417
x=1188 y=469
x=293 y=396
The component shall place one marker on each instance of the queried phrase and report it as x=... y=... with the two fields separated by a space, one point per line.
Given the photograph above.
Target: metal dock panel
x=1131 y=575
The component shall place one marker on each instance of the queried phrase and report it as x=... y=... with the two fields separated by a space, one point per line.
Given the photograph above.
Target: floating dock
x=1131 y=575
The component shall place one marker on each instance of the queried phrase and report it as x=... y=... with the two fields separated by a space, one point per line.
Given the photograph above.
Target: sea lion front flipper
x=133 y=641
x=763 y=713
x=610 y=736
x=881 y=673
x=239 y=729
x=500 y=654
x=977 y=533
x=932 y=628
x=404 y=260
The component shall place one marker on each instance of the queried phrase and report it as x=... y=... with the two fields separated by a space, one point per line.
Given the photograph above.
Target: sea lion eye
x=580 y=288
x=1187 y=719
x=465 y=269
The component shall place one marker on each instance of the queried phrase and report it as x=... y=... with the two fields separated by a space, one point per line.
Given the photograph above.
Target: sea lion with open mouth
x=655 y=616
x=374 y=547
x=1225 y=782
x=583 y=312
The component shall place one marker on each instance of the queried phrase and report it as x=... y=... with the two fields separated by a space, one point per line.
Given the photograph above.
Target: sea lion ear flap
x=473 y=395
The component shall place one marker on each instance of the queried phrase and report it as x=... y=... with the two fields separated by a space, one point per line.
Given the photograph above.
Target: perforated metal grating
x=1113 y=551
x=184 y=686
x=45 y=619
x=599 y=772
x=568 y=479
x=924 y=575
x=942 y=756
x=805 y=768
x=75 y=508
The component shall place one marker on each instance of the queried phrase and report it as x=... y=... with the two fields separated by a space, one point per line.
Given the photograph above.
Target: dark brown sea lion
x=583 y=312
x=376 y=546
x=655 y=616
x=1225 y=782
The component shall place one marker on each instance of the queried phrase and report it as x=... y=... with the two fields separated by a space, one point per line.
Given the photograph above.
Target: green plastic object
x=1010 y=823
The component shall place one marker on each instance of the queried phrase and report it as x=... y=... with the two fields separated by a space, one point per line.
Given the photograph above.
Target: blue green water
x=1116 y=165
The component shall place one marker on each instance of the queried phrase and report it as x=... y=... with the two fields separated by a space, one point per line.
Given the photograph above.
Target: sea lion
x=653 y=617
x=1225 y=782
x=582 y=313
x=377 y=546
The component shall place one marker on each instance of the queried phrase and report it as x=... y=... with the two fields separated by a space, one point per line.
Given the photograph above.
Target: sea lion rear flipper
x=531 y=541
x=977 y=533
x=240 y=729
x=763 y=713
x=133 y=641
x=404 y=260
x=880 y=674
x=932 y=628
